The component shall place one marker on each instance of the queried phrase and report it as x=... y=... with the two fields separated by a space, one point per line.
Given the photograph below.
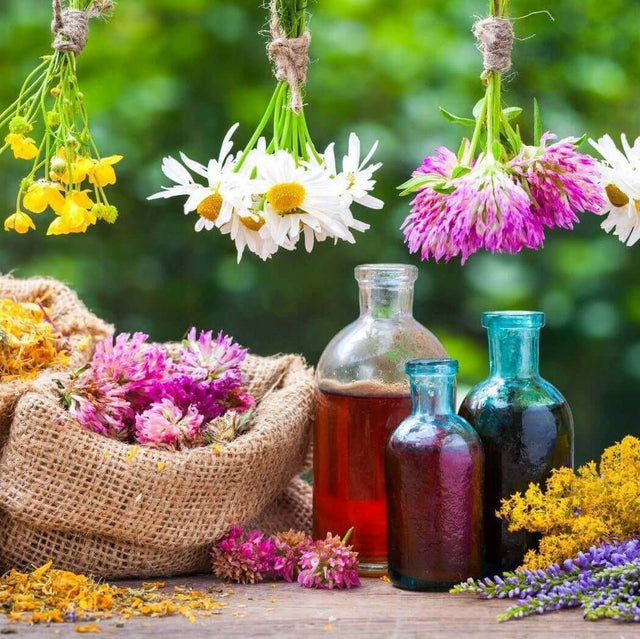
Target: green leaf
x=443 y=188
x=477 y=109
x=414 y=184
x=580 y=141
x=459 y=171
x=511 y=113
x=537 y=123
x=456 y=119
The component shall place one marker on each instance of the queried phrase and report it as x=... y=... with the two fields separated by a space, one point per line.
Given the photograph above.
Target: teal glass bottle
x=434 y=474
x=525 y=425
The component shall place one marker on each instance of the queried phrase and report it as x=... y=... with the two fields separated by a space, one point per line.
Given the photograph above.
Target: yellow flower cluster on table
x=47 y=595
x=29 y=341
x=579 y=510
x=67 y=175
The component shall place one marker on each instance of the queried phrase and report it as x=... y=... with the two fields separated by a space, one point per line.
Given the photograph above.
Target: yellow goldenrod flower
x=23 y=148
x=42 y=194
x=103 y=173
x=19 y=222
x=577 y=510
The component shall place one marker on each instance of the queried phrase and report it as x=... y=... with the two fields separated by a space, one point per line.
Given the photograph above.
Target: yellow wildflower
x=19 y=222
x=102 y=172
x=581 y=509
x=75 y=215
x=70 y=170
x=42 y=194
x=23 y=148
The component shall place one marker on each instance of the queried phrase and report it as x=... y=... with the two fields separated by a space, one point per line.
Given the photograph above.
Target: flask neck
x=433 y=395
x=386 y=302
x=514 y=352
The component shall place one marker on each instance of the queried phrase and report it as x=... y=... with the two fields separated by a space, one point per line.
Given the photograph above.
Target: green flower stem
x=477 y=132
x=258 y=132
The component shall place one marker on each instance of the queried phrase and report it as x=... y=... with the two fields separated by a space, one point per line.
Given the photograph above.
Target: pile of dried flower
x=250 y=557
x=29 y=341
x=136 y=392
x=47 y=595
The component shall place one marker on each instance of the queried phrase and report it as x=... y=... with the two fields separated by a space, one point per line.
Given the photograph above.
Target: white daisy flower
x=225 y=190
x=621 y=181
x=248 y=231
x=296 y=197
x=356 y=176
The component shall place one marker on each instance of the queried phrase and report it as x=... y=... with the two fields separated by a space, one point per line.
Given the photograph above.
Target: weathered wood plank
x=377 y=610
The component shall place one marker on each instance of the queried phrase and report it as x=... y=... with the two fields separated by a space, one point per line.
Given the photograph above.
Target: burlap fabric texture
x=94 y=504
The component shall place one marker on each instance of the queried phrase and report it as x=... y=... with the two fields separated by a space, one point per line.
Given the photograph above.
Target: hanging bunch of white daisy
x=620 y=177
x=280 y=190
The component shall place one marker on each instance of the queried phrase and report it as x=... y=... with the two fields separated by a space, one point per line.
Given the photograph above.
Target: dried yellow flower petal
x=133 y=451
x=90 y=627
x=29 y=341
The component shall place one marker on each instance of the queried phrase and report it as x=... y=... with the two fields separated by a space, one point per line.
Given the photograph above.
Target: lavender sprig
x=604 y=582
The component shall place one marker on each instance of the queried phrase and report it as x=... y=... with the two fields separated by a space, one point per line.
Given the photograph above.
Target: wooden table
x=375 y=610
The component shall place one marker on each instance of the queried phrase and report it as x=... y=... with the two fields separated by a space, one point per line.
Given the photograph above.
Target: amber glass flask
x=525 y=425
x=363 y=394
x=434 y=476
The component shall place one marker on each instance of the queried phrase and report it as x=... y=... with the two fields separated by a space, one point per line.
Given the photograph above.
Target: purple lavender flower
x=605 y=582
x=244 y=557
x=562 y=181
x=165 y=423
x=328 y=563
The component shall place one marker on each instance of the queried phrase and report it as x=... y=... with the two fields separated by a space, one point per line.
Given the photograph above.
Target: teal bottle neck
x=433 y=395
x=514 y=352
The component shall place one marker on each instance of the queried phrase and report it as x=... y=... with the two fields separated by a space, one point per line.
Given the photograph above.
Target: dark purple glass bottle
x=434 y=473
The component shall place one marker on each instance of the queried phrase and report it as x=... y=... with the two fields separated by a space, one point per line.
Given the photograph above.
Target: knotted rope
x=495 y=42
x=71 y=26
x=290 y=57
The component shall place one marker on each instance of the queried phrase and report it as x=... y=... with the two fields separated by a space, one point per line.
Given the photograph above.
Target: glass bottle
x=525 y=425
x=434 y=474
x=363 y=394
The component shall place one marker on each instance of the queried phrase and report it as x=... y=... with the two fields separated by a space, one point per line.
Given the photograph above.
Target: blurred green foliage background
x=169 y=75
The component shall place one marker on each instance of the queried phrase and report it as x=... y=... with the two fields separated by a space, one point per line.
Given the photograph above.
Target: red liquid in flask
x=350 y=436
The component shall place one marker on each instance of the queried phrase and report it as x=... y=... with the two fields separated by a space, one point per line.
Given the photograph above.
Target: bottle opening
x=425 y=366
x=386 y=275
x=513 y=319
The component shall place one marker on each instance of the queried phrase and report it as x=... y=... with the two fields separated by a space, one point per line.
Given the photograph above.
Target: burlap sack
x=25 y=547
x=111 y=509
x=79 y=328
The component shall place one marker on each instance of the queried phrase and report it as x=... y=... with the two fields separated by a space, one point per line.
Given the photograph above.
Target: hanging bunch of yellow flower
x=29 y=341
x=579 y=510
x=67 y=175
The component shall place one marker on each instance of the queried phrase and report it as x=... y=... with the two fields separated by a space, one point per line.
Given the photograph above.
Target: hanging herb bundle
x=279 y=188
x=497 y=193
x=68 y=175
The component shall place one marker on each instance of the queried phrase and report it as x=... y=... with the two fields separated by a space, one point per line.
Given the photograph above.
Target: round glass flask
x=363 y=394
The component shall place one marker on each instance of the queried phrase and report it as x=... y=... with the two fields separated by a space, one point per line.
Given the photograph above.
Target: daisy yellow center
x=286 y=197
x=251 y=223
x=210 y=207
x=616 y=196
